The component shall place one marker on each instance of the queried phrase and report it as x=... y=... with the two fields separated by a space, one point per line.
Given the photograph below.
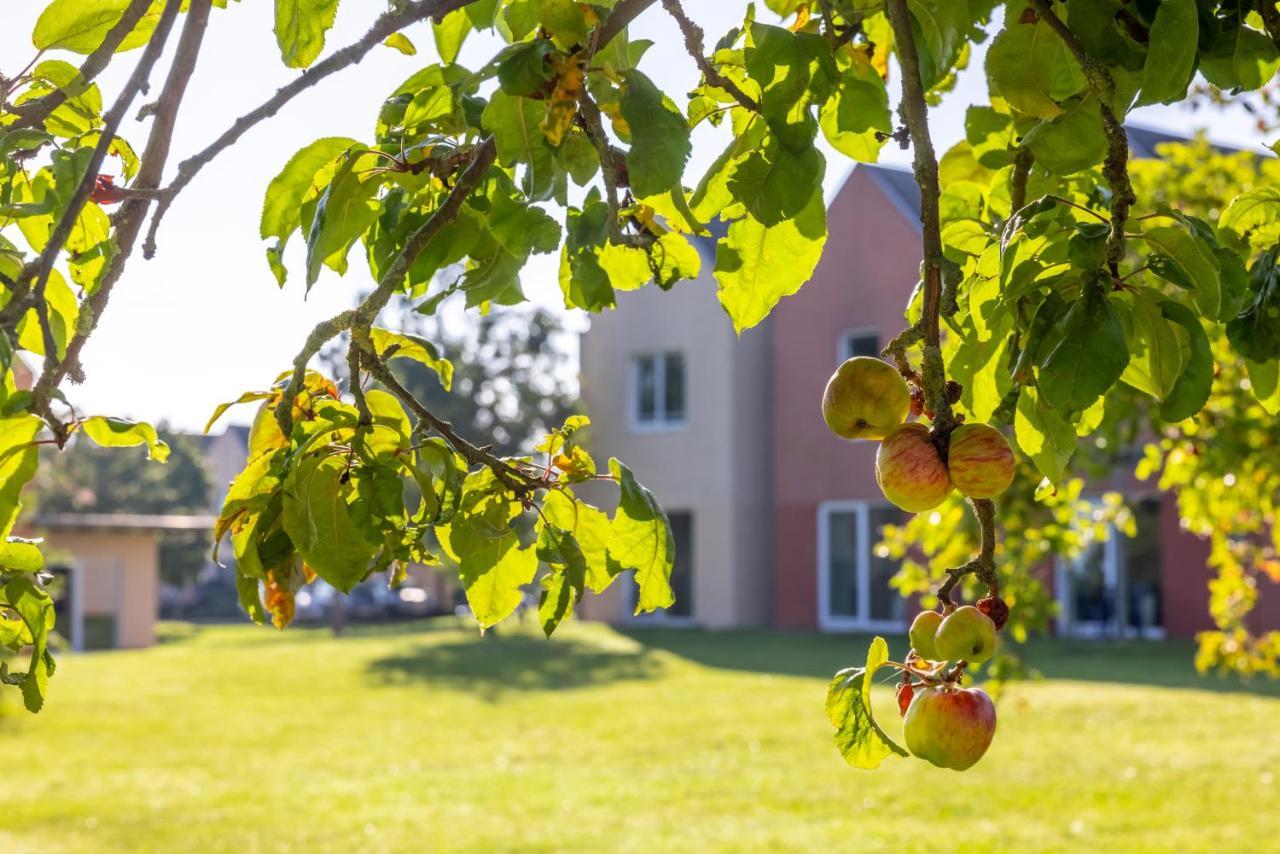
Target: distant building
x=775 y=517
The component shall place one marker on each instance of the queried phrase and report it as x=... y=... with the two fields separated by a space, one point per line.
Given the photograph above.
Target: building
x=777 y=517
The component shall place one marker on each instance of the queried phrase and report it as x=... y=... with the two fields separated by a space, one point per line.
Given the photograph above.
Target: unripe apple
x=865 y=399
x=910 y=471
x=980 y=460
x=966 y=633
x=923 y=628
x=950 y=727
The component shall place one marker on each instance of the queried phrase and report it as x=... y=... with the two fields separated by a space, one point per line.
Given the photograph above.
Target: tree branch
x=361 y=317
x=619 y=19
x=33 y=113
x=1116 y=166
x=110 y=125
x=593 y=124
x=388 y=23
x=128 y=220
x=693 y=42
x=914 y=112
x=1022 y=160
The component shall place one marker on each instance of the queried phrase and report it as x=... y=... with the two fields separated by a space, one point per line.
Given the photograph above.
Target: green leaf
x=400 y=42
x=776 y=184
x=344 y=211
x=591 y=530
x=1192 y=260
x=1255 y=332
x=18 y=461
x=641 y=540
x=1030 y=66
x=1070 y=142
x=1265 y=381
x=35 y=607
x=19 y=555
x=561 y=587
x=450 y=33
x=941 y=30
x=80 y=25
x=523 y=69
x=120 y=433
x=1190 y=393
x=860 y=740
x=247 y=397
x=1043 y=434
x=858 y=111
x=413 y=347
x=1171 y=53
x=1155 y=351
x=319 y=520
x=281 y=208
x=659 y=137
x=1252 y=216
x=300 y=28
x=492 y=568
x=1240 y=58
x=1088 y=357
x=757 y=265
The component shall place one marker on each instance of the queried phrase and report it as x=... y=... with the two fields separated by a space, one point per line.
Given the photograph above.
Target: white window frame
x=862 y=621
x=842 y=340
x=661 y=423
x=1113 y=578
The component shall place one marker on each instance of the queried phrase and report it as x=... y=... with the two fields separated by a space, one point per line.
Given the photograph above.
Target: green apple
x=910 y=471
x=923 y=628
x=865 y=399
x=966 y=633
x=950 y=727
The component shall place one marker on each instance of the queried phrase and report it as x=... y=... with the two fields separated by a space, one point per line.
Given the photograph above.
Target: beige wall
x=716 y=465
x=119 y=576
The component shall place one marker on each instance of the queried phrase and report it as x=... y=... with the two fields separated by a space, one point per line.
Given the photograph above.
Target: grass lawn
x=425 y=737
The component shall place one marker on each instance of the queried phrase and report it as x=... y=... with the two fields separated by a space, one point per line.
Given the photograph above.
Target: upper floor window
x=858 y=342
x=657 y=389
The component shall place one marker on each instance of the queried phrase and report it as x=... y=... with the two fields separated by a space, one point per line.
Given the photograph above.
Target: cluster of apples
x=948 y=725
x=867 y=398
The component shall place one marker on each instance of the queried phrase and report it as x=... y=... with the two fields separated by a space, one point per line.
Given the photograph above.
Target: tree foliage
x=1054 y=279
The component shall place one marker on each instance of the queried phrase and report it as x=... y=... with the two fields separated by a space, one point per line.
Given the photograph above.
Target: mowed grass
x=425 y=737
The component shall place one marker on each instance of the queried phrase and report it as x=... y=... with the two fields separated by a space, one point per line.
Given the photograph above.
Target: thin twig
x=914 y=112
x=388 y=23
x=353 y=382
x=693 y=42
x=362 y=316
x=510 y=476
x=1022 y=160
x=129 y=218
x=33 y=113
x=1115 y=167
x=593 y=124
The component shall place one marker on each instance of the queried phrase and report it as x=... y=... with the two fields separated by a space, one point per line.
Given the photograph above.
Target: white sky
x=204 y=321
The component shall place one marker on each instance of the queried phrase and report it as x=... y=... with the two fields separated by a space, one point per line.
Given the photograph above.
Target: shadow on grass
x=502 y=664
x=1164 y=664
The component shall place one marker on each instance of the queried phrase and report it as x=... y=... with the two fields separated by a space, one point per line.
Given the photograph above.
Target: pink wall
x=867 y=271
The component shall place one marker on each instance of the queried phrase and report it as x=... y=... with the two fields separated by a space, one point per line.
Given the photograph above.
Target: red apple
x=910 y=471
x=865 y=399
x=980 y=460
x=950 y=727
x=995 y=608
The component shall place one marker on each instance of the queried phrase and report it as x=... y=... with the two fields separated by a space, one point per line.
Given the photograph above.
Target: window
x=681 y=576
x=657 y=391
x=853 y=582
x=1113 y=587
x=858 y=342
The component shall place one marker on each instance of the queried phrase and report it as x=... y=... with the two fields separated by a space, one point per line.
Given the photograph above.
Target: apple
x=910 y=471
x=966 y=633
x=980 y=460
x=995 y=608
x=865 y=399
x=923 y=628
x=950 y=727
x=904 y=694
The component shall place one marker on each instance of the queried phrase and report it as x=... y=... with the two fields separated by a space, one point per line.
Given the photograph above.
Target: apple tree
x=1051 y=278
